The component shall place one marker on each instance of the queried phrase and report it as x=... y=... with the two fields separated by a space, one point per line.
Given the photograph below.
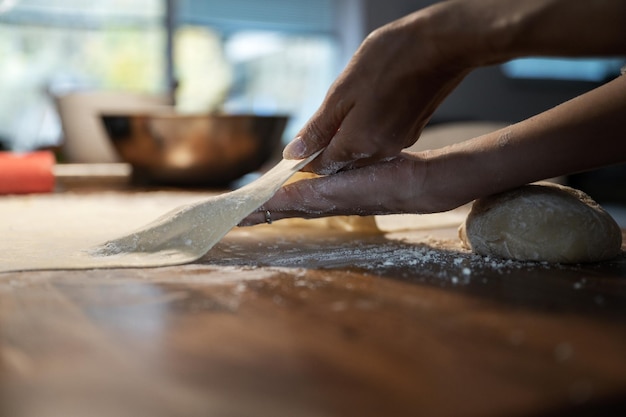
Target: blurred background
x=236 y=56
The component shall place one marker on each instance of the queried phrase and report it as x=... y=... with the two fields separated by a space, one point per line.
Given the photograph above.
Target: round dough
x=541 y=222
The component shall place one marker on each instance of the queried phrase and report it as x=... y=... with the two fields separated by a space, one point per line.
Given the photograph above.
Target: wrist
x=469 y=34
x=447 y=180
x=484 y=32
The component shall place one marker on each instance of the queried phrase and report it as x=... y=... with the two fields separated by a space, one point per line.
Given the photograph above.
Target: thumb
x=318 y=131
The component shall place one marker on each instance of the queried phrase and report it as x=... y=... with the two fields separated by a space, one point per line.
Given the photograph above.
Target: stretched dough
x=53 y=231
x=542 y=222
x=180 y=236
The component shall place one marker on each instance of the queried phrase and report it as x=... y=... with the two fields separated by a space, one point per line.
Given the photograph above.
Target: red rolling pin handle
x=26 y=173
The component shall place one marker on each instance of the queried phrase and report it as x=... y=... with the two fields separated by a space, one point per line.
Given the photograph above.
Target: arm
x=581 y=134
x=404 y=70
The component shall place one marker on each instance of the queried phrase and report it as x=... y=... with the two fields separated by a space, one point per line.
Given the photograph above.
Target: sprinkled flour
x=444 y=259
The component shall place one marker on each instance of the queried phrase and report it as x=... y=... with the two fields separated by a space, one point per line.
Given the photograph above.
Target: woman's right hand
x=404 y=70
x=383 y=99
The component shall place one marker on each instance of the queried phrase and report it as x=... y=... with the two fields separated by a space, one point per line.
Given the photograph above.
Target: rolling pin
x=25 y=173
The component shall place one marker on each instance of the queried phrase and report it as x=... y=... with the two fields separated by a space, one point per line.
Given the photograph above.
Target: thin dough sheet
x=57 y=231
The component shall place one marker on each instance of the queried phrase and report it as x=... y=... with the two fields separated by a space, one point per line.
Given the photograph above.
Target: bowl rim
x=166 y=114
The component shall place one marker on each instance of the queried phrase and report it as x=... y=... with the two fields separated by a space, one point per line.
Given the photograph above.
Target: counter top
x=294 y=321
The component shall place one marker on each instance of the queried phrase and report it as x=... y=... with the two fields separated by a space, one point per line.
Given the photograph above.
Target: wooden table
x=276 y=321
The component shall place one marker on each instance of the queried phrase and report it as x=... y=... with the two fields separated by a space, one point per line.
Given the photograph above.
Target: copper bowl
x=194 y=150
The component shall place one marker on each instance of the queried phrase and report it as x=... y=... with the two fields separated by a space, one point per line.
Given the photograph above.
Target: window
x=248 y=56
x=570 y=69
x=241 y=56
x=48 y=46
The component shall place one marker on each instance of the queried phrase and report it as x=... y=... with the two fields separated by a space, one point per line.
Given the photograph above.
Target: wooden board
x=279 y=321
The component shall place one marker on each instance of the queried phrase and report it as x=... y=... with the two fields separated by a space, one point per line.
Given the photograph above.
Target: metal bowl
x=194 y=150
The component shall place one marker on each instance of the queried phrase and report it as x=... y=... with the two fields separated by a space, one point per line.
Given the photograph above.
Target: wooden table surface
x=299 y=322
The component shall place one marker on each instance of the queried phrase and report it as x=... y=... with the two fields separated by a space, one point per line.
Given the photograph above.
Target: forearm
x=482 y=32
x=581 y=134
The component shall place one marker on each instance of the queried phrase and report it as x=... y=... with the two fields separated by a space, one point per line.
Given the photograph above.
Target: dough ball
x=541 y=222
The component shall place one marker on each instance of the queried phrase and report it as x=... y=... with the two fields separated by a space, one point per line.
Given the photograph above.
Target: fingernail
x=296 y=149
x=246 y=222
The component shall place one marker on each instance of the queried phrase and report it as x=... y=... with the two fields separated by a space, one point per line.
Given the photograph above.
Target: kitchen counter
x=299 y=321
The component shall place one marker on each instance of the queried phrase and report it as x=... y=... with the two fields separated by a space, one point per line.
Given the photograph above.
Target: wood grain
x=294 y=322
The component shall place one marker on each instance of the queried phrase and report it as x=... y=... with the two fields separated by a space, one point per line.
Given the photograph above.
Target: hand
x=553 y=143
x=404 y=70
x=383 y=99
x=394 y=186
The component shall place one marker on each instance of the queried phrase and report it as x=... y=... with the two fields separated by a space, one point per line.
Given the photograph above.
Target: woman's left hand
x=392 y=186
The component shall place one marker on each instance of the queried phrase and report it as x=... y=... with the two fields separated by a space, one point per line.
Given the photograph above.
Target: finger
x=299 y=199
x=381 y=124
x=374 y=189
x=365 y=137
x=321 y=127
